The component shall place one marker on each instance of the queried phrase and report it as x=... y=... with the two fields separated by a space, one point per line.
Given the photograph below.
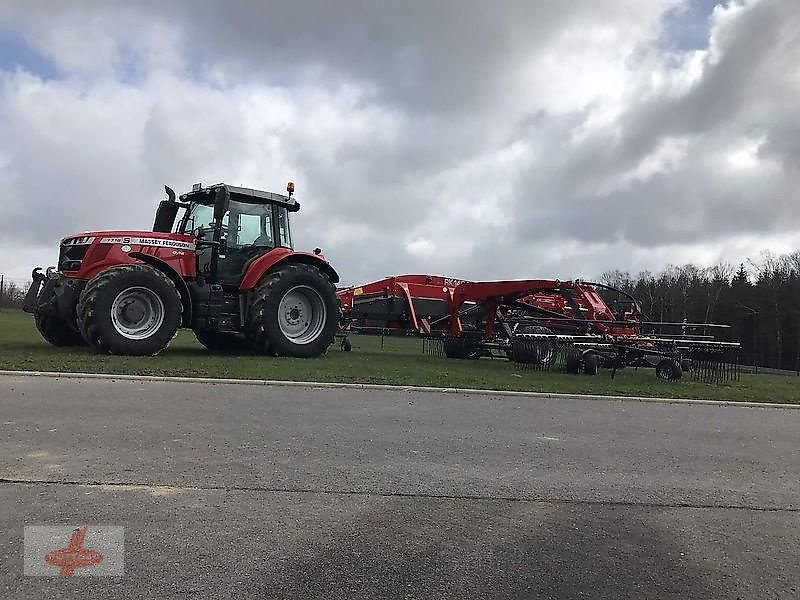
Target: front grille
x=72 y=253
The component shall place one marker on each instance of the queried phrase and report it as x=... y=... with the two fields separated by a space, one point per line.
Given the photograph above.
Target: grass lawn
x=401 y=362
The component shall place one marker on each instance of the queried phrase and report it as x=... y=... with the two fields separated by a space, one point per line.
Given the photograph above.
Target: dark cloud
x=487 y=140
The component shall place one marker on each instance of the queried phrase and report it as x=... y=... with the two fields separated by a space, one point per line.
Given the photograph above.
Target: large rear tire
x=294 y=311
x=56 y=330
x=130 y=309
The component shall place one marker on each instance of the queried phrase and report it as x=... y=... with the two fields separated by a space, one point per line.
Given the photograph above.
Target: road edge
x=400 y=388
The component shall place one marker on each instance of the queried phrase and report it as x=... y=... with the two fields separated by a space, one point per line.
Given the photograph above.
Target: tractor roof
x=201 y=194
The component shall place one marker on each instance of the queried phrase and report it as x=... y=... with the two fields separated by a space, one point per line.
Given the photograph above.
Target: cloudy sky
x=463 y=137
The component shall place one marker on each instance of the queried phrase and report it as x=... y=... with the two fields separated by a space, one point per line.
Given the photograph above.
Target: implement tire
x=572 y=362
x=294 y=311
x=669 y=370
x=456 y=347
x=131 y=310
x=56 y=331
x=591 y=363
x=533 y=351
x=465 y=346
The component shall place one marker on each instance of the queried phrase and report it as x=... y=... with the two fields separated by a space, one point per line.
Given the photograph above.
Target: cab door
x=249 y=235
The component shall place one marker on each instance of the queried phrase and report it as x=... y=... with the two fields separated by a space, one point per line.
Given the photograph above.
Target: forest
x=760 y=299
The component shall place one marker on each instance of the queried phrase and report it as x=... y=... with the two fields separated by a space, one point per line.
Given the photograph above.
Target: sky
x=473 y=139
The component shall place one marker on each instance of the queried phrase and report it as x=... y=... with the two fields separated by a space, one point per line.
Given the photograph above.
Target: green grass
x=401 y=362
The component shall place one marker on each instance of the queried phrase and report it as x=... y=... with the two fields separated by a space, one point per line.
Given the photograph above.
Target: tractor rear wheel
x=130 y=309
x=56 y=330
x=223 y=342
x=294 y=311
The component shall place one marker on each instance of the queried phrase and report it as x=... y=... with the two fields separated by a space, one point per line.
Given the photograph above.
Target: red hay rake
x=574 y=326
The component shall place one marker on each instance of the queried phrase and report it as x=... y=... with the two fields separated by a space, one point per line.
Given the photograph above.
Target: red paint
x=265 y=262
x=567 y=299
x=74 y=556
x=100 y=257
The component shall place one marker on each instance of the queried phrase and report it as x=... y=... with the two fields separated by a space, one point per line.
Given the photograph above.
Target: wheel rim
x=137 y=313
x=302 y=314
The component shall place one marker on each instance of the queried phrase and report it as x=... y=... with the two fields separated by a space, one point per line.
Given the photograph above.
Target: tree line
x=760 y=300
x=12 y=293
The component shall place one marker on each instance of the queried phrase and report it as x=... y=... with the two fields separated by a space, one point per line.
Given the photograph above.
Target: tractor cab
x=233 y=226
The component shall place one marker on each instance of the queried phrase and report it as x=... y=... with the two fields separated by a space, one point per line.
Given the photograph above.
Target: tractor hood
x=97 y=249
x=131 y=238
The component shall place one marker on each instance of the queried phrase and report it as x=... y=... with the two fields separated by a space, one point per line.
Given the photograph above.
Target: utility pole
x=754 y=315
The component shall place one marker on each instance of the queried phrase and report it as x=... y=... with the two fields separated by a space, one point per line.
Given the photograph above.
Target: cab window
x=284 y=231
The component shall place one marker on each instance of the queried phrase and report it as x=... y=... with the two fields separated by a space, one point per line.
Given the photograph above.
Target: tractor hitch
x=52 y=293
x=29 y=304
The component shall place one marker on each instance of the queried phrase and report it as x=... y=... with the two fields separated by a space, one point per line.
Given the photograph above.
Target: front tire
x=132 y=309
x=294 y=311
x=56 y=330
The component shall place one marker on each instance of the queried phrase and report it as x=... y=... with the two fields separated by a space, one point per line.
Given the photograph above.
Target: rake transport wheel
x=223 y=342
x=294 y=311
x=669 y=370
x=464 y=346
x=131 y=309
x=572 y=362
x=591 y=363
x=535 y=352
x=56 y=331
x=456 y=347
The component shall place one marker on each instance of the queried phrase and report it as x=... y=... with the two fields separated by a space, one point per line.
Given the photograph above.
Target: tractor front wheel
x=294 y=311
x=131 y=309
x=56 y=330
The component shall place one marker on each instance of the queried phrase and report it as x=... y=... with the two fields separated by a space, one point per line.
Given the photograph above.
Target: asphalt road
x=232 y=491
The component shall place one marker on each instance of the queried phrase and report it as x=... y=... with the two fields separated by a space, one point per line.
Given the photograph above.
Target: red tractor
x=227 y=270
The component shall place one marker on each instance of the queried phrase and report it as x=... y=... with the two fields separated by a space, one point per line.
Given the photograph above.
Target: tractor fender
x=180 y=283
x=281 y=256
